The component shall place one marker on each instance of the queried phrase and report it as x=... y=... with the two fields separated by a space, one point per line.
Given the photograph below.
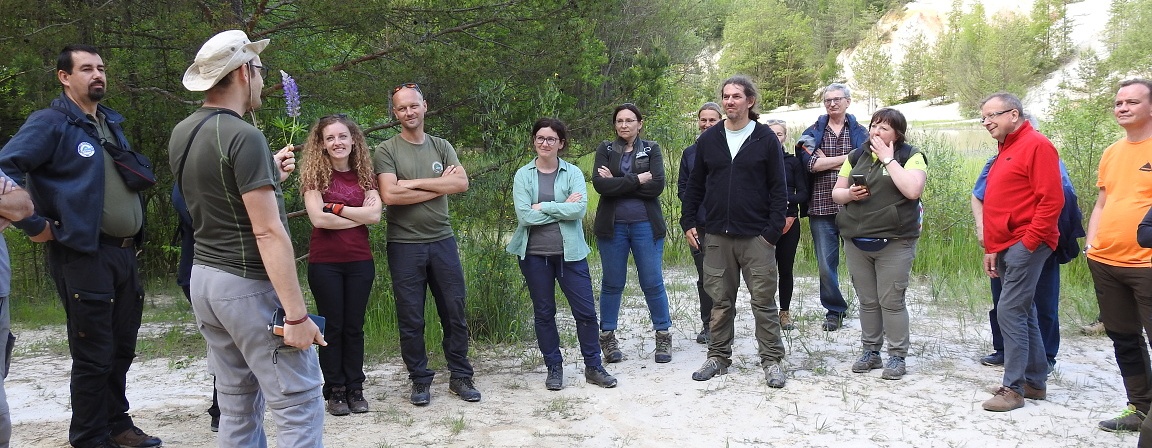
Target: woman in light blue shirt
x=550 y=198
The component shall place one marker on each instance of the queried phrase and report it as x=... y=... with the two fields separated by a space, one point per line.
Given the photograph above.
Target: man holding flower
x=244 y=268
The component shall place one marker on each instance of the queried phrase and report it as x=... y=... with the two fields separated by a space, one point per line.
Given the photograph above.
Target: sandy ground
x=824 y=404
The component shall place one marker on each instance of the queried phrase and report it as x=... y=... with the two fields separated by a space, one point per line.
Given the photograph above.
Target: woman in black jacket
x=629 y=176
x=797 y=178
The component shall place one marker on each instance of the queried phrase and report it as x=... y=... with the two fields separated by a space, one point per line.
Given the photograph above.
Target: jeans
x=785 y=261
x=541 y=273
x=103 y=301
x=1047 y=304
x=253 y=367
x=881 y=281
x=826 y=242
x=1024 y=360
x=341 y=291
x=648 y=252
x=726 y=259
x=417 y=268
x=705 y=299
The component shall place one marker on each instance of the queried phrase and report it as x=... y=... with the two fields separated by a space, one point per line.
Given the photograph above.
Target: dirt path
x=824 y=403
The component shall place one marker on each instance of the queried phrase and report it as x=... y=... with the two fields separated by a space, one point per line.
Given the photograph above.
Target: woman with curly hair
x=342 y=199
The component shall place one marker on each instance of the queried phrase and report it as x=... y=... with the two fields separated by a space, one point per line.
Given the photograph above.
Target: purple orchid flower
x=291 y=95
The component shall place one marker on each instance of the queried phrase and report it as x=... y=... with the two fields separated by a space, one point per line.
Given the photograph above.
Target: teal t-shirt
x=427 y=221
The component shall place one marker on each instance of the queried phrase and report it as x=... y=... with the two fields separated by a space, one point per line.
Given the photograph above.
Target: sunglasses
x=407 y=85
x=262 y=68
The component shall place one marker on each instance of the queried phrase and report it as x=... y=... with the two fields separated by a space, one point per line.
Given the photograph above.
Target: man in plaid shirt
x=826 y=145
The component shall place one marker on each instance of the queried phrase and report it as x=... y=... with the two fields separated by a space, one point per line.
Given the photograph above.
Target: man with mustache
x=91 y=240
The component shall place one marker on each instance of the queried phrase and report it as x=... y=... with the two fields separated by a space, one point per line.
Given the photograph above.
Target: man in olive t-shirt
x=244 y=269
x=416 y=174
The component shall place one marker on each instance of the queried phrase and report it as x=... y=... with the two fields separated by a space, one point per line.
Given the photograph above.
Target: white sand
x=655 y=405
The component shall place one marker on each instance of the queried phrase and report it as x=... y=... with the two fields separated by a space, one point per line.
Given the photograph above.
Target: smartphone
x=858 y=179
x=277 y=324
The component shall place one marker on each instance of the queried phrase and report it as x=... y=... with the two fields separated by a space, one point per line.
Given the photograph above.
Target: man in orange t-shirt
x=1121 y=269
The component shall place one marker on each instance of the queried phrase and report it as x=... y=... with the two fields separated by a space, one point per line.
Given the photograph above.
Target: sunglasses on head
x=407 y=85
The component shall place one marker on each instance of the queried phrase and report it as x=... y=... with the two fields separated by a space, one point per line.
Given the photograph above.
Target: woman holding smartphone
x=880 y=185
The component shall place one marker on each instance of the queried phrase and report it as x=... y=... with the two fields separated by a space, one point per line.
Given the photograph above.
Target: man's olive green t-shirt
x=427 y=221
x=228 y=158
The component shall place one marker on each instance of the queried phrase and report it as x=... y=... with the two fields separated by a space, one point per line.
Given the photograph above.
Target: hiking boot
x=338 y=401
x=832 y=323
x=704 y=336
x=868 y=361
x=463 y=388
x=421 y=394
x=1093 y=329
x=214 y=425
x=136 y=438
x=555 y=380
x=894 y=369
x=610 y=347
x=711 y=368
x=1128 y=420
x=786 y=320
x=1005 y=400
x=356 y=402
x=663 y=346
x=995 y=359
x=774 y=374
x=600 y=377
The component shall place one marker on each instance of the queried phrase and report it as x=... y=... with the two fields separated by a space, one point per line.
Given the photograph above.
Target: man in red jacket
x=1021 y=207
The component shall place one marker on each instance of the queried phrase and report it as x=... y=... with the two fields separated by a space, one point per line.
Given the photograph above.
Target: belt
x=110 y=240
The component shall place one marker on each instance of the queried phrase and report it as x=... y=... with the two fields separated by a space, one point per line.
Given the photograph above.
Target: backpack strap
x=191 y=138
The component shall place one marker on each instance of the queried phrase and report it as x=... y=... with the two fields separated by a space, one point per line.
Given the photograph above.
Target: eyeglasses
x=407 y=85
x=547 y=140
x=625 y=121
x=836 y=100
x=992 y=115
x=262 y=68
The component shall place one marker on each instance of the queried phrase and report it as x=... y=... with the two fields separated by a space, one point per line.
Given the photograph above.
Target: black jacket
x=799 y=188
x=687 y=162
x=618 y=186
x=742 y=196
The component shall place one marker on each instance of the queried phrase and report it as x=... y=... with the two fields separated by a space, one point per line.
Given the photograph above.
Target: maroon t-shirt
x=339 y=246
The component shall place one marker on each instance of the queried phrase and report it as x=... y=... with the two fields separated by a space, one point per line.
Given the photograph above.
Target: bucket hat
x=220 y=55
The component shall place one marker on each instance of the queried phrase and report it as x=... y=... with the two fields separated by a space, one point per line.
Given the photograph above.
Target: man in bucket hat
x=90 y=239
x=243 y=269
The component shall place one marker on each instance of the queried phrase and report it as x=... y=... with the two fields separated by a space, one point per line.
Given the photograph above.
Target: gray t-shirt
x=228 y=158
x=424 y=222
x=545 y=239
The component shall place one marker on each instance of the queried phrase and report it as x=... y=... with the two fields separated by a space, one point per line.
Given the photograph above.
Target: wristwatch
x=886 y=161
